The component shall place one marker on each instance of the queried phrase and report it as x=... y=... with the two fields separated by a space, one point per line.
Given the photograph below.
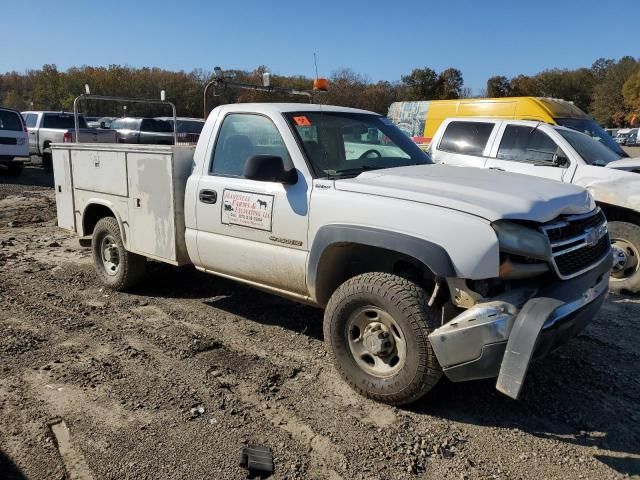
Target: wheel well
x=92 y=215
x=340 y=262
x=622 y=214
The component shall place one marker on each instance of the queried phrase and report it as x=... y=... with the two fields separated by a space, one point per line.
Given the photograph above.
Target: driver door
x=252 y=230
x=530 y=151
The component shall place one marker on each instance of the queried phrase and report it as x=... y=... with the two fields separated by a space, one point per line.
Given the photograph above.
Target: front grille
x=8 y=141
x=577 y=260
x=563 y=229
x=577 y=242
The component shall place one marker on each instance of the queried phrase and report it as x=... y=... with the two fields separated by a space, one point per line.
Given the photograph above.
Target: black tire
x=627 y=236
x=15 y=169
x=47 y=162
x=406 y=303
x=130 y=268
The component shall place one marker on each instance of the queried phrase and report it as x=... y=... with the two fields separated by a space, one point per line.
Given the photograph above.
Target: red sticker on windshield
x=302 y=121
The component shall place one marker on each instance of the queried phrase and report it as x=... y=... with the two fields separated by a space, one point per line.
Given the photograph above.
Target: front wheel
x=377 y=327
x=625 y=241
x=115 y=267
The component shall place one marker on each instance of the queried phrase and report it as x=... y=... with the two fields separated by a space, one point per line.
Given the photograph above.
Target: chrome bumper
x=500 y=339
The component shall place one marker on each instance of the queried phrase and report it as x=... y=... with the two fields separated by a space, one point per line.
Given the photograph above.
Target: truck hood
x=489 y=194
x=625 y=164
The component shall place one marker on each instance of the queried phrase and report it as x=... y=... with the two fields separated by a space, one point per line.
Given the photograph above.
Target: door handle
x=496 y=168
x=208 y=196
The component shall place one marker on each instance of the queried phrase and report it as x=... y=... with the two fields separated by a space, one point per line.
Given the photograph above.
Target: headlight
x=520 y=240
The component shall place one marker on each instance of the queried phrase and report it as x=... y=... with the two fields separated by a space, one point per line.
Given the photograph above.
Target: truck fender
x=432 y=255
x=114 y=211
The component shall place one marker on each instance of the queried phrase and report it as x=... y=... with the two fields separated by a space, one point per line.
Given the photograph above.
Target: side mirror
x=268 y=168
x=560 y=159
x=103 y=124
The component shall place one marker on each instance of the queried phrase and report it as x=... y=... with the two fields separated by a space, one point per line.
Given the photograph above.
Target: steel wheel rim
x=110 y=255
x=625 y=259
x=366 y=329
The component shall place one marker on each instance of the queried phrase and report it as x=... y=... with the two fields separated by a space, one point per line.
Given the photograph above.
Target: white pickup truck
x=558 y=153
x=46 y=128
x=422 y=269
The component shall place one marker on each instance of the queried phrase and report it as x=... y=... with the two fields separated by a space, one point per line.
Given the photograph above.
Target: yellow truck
x=421 y=119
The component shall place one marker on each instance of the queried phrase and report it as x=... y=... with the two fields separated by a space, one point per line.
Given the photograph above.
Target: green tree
x=422 y=84
x=608 y=105
x=13 y=100
x=450 y=84
x=498 y=86
x=631 y=94
x=573 y=85
x=601 y=66
x=524 y=86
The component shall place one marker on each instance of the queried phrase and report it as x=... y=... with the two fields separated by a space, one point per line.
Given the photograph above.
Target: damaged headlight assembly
x=524 y=251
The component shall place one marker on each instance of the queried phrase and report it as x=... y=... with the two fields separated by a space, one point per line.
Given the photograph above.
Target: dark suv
x=143 y=130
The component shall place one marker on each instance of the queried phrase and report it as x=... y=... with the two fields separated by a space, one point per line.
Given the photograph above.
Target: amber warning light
x=321 y=84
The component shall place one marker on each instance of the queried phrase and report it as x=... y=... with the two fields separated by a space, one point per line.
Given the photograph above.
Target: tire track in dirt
x=324 y=455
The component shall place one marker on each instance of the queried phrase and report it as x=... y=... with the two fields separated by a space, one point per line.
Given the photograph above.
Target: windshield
x=591 y=128
x=189 y=126
x=340 y=144
x=153 y=125
x=592 y=151
x=10 y=121
x=62 y=121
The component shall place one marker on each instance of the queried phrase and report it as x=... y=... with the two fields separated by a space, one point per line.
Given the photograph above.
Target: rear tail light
x=67 y=138
x=117 y=137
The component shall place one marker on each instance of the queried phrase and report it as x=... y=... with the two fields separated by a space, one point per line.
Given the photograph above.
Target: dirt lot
x=171 y=380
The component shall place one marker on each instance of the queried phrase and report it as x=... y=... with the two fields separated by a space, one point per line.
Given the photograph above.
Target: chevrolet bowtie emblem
x=593 y=235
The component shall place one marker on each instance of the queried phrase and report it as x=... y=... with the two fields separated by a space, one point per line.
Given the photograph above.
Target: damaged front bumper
x=500 y=338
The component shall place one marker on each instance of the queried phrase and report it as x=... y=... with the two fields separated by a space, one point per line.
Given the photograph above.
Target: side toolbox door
x=63 y=184
x=151 y=206
x=252 y=230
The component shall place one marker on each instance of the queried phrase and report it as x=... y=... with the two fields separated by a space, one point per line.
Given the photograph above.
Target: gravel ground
x=632 y=151
x=170 y=381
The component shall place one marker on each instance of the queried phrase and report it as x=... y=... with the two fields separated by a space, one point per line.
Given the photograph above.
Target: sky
x=382 y=40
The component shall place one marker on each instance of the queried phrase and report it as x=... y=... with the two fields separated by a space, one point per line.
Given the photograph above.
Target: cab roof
x=526 y=123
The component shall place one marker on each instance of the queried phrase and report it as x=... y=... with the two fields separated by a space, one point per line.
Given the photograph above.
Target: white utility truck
x=558 y=153
x=422 y=269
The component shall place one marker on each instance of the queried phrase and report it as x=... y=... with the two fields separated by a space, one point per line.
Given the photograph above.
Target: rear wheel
x=115 y=267
x=625 y=241
x=377 y=327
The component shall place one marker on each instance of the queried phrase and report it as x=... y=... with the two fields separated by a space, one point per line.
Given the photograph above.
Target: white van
x=14 y=143
x=558 y=153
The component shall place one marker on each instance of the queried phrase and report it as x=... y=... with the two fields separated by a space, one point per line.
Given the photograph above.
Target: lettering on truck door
x=254 y=230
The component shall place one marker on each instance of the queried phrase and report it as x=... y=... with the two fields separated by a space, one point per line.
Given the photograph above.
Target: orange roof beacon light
x=321 y=84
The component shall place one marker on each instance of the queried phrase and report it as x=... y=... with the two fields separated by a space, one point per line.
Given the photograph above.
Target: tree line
x=51 y=89
x=609 y=89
